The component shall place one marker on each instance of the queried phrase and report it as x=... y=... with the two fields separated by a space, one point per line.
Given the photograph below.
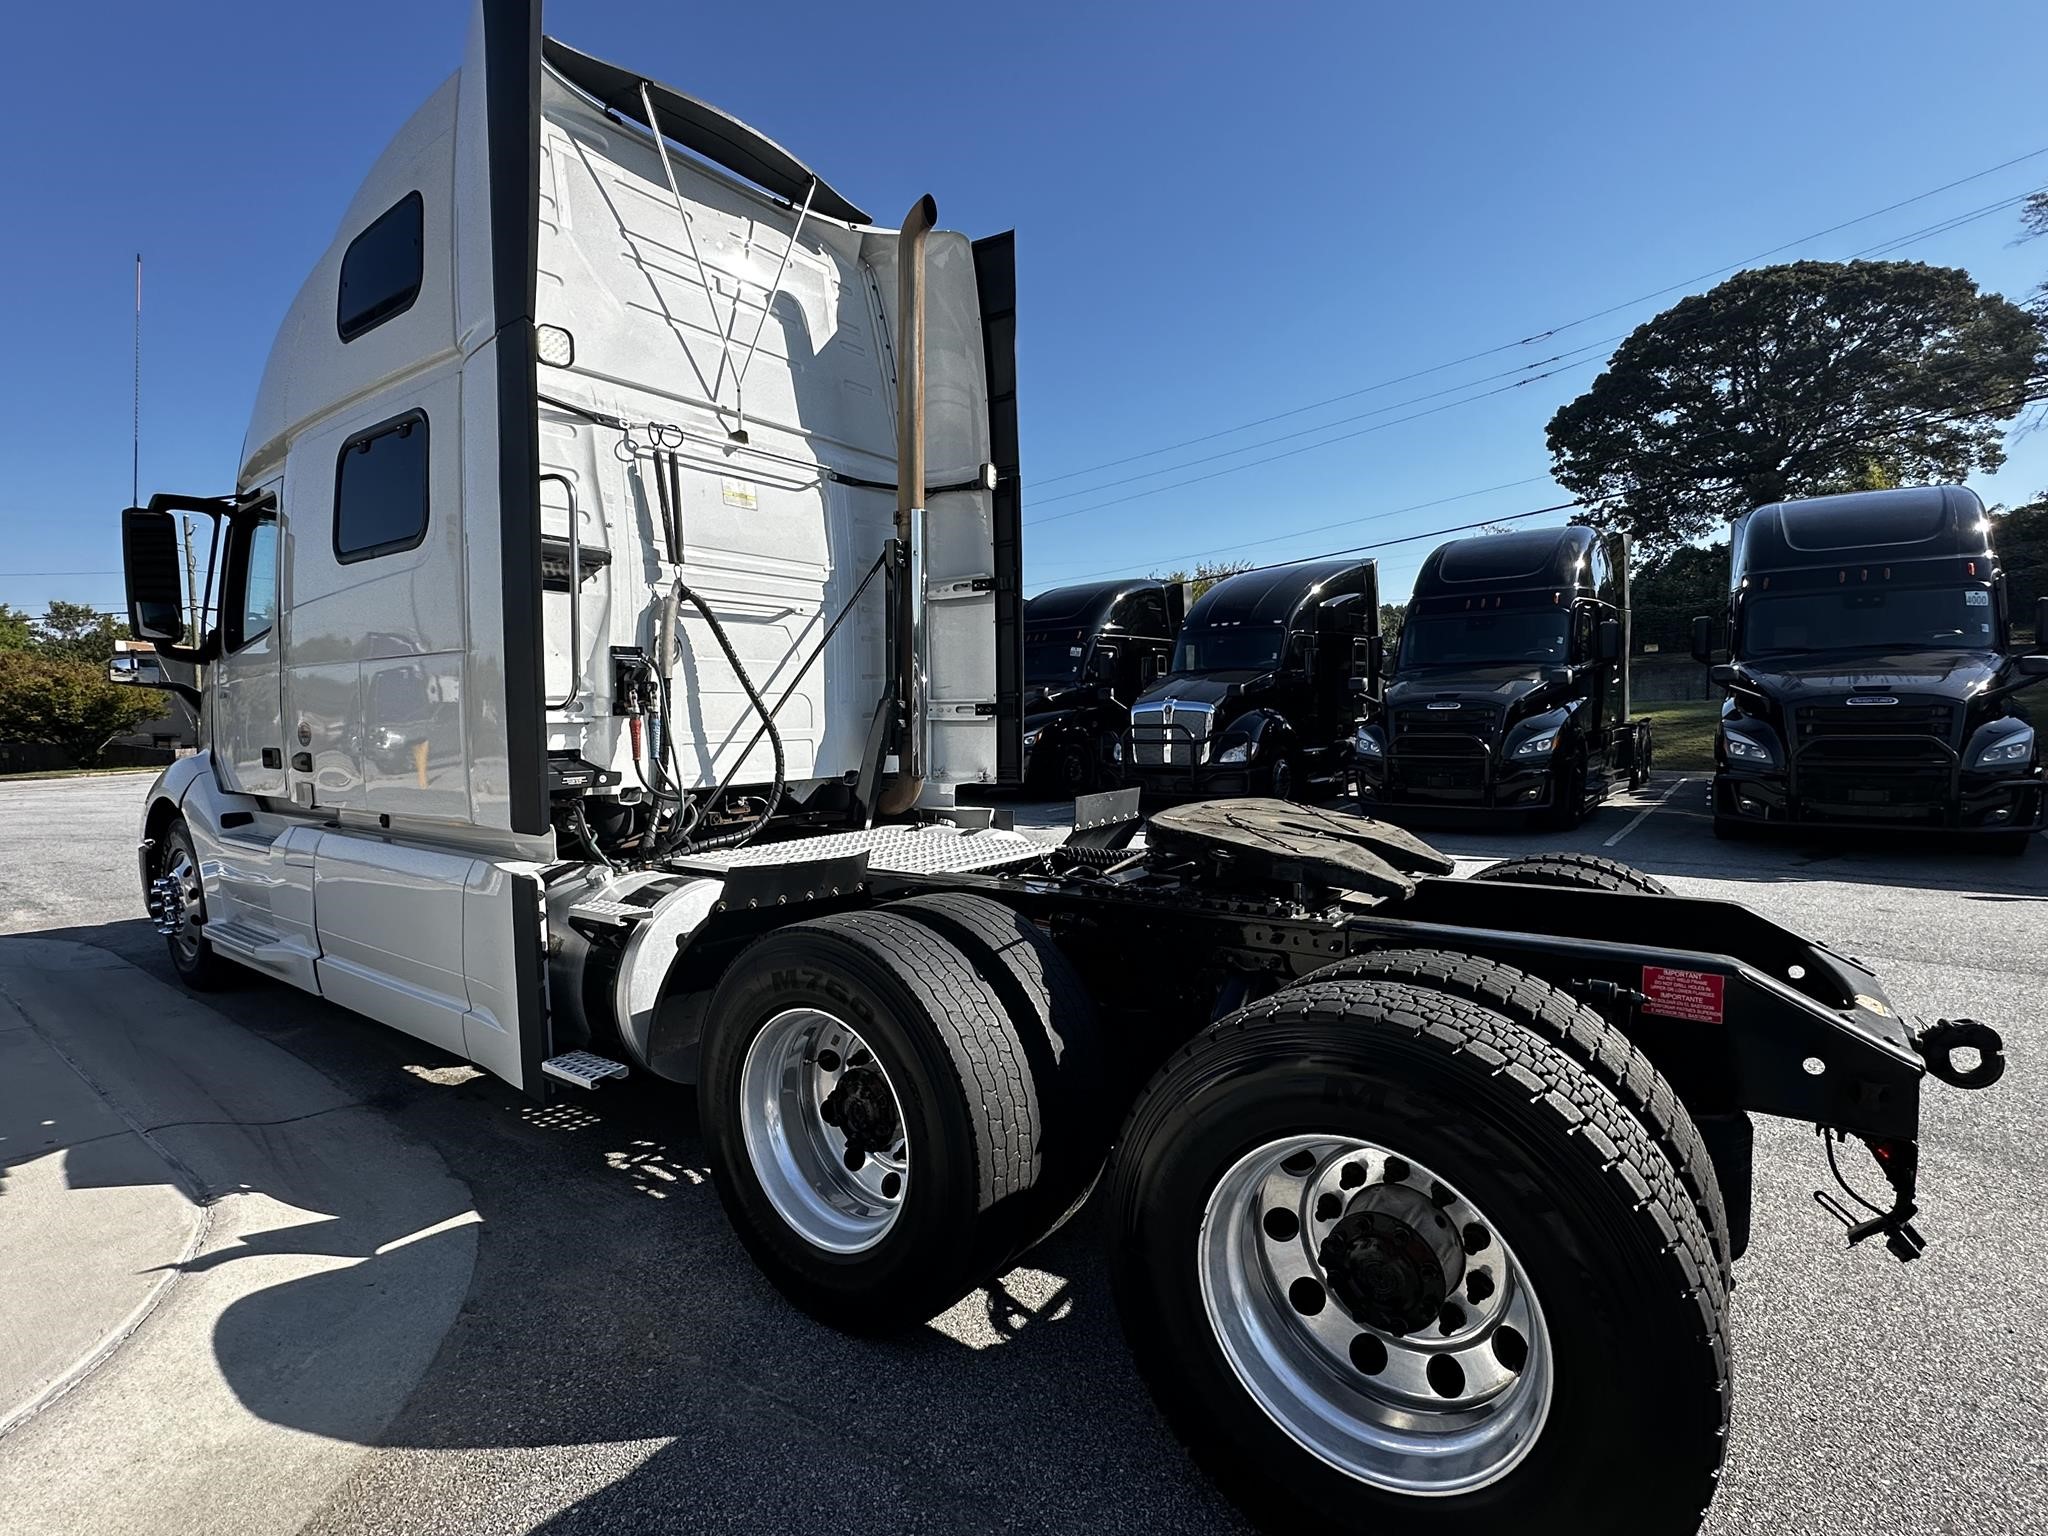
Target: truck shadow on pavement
x=618 y=1364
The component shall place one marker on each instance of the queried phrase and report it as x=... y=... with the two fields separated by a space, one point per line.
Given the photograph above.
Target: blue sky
x=1223 y=212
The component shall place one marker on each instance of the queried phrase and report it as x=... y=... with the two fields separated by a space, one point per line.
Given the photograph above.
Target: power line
x=1506 y=373
x=1343 y=437
x=1550 y=331
x=1342 y=522
x=1358 y=549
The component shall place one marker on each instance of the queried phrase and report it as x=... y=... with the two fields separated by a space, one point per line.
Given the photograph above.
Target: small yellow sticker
x=1873 y=1005
x=738 y=493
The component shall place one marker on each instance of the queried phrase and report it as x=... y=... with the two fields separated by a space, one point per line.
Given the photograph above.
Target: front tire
x=873 y=1126
x=1293 y=1347
x=1575 y=871
x=177 y=906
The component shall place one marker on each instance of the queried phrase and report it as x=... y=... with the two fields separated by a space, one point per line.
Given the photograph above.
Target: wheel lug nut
x=1328 y=1207
x=1450 y=1319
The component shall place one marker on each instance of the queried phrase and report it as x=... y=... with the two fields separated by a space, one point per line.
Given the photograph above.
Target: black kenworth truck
x=1870 y=679
x=1511 y=692
x=1261 y=697
x=1089 y=650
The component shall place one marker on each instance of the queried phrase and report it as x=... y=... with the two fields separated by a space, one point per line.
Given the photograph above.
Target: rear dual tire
x=897 y=1104
x=1591 y=1216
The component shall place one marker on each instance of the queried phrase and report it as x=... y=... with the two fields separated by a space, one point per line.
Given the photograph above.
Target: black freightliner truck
x=1870 y=681
x=1511 y=691
x=1089 y=650
x=1261 y=697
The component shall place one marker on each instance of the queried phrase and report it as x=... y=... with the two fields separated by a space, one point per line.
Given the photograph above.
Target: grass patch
x=1682 y=733
x=71 y=773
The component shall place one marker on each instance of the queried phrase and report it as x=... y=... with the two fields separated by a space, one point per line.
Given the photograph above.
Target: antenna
x=135 y=437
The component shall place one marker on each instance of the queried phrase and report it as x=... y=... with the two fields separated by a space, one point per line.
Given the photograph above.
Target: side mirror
x=2041 y=623
x=153 y=561
x=1725 y=674
x=2032 y=666
x=1703 y=641
x=1607 y=640
x=1149 y=668
x=1101 y=664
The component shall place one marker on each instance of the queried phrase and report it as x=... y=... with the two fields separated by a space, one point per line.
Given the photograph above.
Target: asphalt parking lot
x=609 y=1360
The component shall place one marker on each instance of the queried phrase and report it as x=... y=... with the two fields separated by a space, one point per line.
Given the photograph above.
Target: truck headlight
x=1236 y=752
x=1366 y=742
x=1538 y=746
x=1743 y=750
x=2006 y=752
x=1031 y=738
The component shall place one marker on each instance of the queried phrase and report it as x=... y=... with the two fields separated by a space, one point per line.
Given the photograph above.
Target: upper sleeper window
x=380 y=270
x=380 y=490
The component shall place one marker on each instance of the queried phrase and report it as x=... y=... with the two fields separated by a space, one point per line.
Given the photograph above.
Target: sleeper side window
x=382 y=268
x=380 y=490
x=251 y=603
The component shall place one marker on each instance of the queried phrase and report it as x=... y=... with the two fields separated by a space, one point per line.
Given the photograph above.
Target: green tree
x=1668 y=592
x=78 y=632
x=69 y=704
x=1204 y=576
x=15 y=631
x=1797 y=380
x=2021 y=538
x=1392 y=616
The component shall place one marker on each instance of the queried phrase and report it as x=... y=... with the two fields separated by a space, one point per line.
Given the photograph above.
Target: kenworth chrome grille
x=1170 y=733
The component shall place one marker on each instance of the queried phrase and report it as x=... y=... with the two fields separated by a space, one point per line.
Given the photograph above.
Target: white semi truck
x=621 y=578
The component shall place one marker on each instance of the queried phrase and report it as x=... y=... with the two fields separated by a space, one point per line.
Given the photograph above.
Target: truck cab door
x=248 y=739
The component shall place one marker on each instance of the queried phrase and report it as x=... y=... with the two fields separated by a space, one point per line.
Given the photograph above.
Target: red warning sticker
x=1694 y=995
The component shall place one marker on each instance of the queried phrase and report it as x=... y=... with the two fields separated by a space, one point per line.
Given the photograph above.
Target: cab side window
x=382 y=268
x=380 y=490
x=1144 y=613
x=250 y=601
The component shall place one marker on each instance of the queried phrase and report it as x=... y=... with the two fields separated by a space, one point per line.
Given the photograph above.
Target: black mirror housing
x=2041 y=623
x=1703 y=641
x=1608 y=640
x=153 y=561
x=1726 y=674
x=2032 y=665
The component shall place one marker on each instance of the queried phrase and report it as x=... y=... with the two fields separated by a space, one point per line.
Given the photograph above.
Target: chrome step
x=585 y=1069
x=615 y=913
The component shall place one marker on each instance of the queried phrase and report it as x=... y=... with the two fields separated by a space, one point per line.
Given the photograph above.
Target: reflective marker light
x=556 y=347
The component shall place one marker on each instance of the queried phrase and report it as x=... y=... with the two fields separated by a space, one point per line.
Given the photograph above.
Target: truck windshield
x=1239 y=648
x=1051 y=659
x=1899 y=618
x=1484 y=639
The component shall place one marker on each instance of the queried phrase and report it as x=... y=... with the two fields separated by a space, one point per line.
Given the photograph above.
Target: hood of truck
x=1205 y=688
x=1956 y=675
x=1498 y=687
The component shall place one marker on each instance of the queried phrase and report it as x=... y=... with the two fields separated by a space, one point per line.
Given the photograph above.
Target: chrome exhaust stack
x=900 y=791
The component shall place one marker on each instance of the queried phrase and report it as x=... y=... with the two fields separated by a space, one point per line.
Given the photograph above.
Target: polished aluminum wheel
x=1375 y=1315
x=175 y=900
x=824 y=1130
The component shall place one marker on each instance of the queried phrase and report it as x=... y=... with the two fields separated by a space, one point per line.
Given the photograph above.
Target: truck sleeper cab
x=1089 y=650
x=1260 y=696
x=621 y=581
x=1870 y=680
x=1511 y=689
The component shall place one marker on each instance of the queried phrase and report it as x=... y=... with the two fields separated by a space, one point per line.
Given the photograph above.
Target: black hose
x=732 y=839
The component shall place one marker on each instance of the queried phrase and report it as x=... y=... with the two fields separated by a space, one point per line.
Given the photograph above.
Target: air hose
x=680 y=837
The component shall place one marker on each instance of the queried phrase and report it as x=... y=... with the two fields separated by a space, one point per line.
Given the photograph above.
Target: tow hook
x=1900 y=1162
x=1938 y=1040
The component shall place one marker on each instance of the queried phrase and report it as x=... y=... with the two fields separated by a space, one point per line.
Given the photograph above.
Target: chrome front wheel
x=1375 y=1314
x=824 y=1130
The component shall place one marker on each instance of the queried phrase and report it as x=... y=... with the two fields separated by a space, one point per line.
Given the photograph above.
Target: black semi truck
x=1511 y=692
x=1262 y=693
x=1870 y=677
x=1089 y=650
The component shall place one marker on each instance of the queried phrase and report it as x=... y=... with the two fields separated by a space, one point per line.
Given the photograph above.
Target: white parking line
x=1643 y=814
